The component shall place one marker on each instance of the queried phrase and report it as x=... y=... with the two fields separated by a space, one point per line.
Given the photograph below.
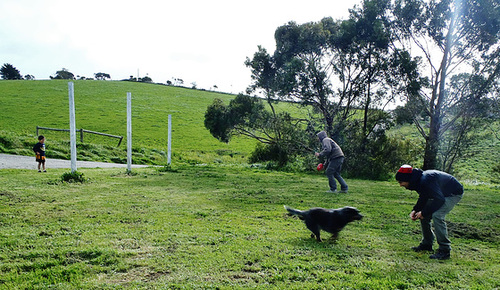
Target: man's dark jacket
x=433 y=185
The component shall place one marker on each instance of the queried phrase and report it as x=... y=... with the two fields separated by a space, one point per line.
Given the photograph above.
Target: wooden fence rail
x=81 y=133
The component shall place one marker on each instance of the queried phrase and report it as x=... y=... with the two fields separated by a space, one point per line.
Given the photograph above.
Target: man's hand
x=416 y=215
x=316 y=153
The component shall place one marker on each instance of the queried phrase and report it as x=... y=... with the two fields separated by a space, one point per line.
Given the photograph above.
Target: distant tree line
x=9 y=72
x=145 y=79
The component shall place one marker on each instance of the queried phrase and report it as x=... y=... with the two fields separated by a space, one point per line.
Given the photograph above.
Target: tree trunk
x=329 y=125
x=432 y=145
x=437 y=101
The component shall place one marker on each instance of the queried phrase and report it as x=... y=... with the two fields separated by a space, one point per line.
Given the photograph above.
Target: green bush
x=72 y=177
x=495 y=177
x=379 y=156
x=269 y=152
x=496 y=168
x=166 y=168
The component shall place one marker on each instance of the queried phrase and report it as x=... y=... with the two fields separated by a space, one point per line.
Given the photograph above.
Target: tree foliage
x=145 y=79
x=339 y=69
x=381 y=153
x=281 y=136
x=63 y=74
x=263 y=76
x=342 y=67
x=217 y=121
x=452 y=37
x=9 y=72
x=102 y=76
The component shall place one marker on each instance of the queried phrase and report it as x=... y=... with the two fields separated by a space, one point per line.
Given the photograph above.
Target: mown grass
x=205 y=227
x=101 y=106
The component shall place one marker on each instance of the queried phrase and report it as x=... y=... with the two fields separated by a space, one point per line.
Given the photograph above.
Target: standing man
x=39 y=149
x=334 y=158
x=438 y=192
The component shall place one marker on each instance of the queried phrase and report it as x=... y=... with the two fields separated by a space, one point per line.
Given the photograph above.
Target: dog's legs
x=313 y=227
x=318 y=238
x=334 y=236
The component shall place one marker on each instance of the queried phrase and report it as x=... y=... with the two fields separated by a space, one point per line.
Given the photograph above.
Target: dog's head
x=351 y=213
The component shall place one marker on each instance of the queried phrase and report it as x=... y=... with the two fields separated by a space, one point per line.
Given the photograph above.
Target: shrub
x=268 y=152
x=402 y=115
x=166 y=168
x=73 y=177
x=378 y=156
x=496 y=173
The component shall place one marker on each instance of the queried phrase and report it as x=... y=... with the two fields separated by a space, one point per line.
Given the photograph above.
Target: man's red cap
x=404 y=173
x=407 y=169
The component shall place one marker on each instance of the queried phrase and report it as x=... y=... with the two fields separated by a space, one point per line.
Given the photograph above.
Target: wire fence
x=81 y=133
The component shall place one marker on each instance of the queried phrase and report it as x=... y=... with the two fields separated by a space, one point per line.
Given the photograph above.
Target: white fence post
x=72 y=126
x=169 y=150
x=129 y=132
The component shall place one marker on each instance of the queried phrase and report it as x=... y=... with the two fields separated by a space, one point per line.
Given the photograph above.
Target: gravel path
x=28 y=162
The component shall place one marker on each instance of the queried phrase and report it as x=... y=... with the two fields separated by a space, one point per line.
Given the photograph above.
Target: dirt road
x=28 y=162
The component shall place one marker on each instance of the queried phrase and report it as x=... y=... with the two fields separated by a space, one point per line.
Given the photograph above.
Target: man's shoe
x=343 y=191
x=421 y=248
x=331 y=191
x=440 y=255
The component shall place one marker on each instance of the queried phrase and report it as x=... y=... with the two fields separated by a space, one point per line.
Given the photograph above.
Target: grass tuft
x=73 y=177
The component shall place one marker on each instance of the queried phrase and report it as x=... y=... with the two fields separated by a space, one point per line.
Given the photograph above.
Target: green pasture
x=101 y=106
x=210 y=221
x=204 y=227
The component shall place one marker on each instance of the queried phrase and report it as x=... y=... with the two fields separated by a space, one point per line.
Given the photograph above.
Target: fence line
x=81 y=133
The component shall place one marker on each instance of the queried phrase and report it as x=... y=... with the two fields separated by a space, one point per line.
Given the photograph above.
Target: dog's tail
x=295 y=211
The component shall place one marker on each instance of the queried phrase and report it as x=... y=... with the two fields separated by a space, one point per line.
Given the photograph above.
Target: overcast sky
x=199 y=41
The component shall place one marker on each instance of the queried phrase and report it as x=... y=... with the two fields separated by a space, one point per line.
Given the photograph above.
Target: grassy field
x=101 y=106
x=210 y=221
x=203 y=227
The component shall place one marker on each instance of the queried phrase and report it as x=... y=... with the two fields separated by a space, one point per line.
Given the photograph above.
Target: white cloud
x=199 y=41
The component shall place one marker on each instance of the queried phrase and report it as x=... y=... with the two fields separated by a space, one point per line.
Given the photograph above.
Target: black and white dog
x=330 y=220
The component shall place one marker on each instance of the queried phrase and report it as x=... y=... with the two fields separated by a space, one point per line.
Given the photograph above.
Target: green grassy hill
x=101 y=106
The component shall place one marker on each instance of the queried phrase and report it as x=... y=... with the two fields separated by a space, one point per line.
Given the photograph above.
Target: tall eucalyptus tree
x=449 y=38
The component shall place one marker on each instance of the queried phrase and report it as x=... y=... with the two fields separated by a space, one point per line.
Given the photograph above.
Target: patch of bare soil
x=466 y=231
